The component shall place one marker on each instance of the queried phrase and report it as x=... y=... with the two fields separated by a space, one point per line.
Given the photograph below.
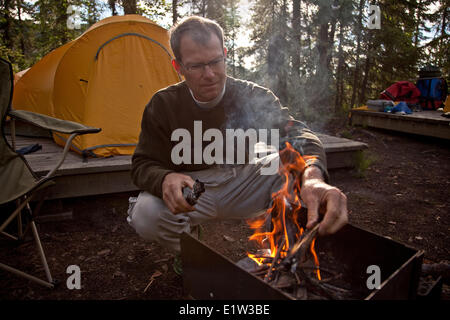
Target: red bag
x=402 y=91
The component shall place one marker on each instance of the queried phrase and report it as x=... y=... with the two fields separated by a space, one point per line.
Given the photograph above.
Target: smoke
x=254 y=108
x=296 y=64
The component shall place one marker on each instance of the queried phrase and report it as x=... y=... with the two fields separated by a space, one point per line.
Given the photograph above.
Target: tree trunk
x=322 y=79
x=276 y=54
x=233 y=38
x=325 y=44
x=296 y=36
x=211 y=10
x=203 y=8
x=358 y=53
x=61 y=21
x=20 y=25
x=443 y=33
x=418 y=17
x=283 y=73
x=112 y=6
x=6 y=25
x=363 y=92
x=276 y=68
x=129 y=6
x=322 y=47
x=339 y=73
x=174 y=11
x=308 y=33
x=331 y=43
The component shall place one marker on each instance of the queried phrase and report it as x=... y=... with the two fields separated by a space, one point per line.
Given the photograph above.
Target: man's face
x=203 y=67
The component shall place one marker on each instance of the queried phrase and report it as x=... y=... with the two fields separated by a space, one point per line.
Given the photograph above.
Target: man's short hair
x=199 y=28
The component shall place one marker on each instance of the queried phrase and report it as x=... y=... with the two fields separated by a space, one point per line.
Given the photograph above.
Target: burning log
x=300 y=249
x=290 y=273
x=263 y=257
x=275 y=260
x=260 y=270
x=296 y=255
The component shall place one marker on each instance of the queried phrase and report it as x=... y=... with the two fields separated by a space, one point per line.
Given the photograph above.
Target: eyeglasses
x=199 y=68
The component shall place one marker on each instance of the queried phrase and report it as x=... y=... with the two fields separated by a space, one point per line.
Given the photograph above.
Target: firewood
x=300 y=248
x=260 y=270
x=301 y=293
x=274 y=265
x=332 y=278
x=284 y=281
x=327 y=291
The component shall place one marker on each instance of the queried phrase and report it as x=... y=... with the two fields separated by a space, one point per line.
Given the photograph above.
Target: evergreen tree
x=318 y=56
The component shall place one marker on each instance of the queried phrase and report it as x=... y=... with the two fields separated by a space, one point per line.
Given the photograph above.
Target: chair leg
x=17 y=213
x=26 y=275
x=12 y=216
x=49 y=283
x=41 y=251
x=32 y=214
x=19 y=226
x=9 y=236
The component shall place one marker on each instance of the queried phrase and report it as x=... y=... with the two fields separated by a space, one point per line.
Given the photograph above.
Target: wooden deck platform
x=110 y=175
x=426 y=123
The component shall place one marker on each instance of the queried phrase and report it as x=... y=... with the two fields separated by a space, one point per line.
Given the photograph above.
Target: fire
x=258 y=260
x=284 y=213
x=316 y=260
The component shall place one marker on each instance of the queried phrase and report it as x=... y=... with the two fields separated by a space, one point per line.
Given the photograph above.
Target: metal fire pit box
x=210 y=275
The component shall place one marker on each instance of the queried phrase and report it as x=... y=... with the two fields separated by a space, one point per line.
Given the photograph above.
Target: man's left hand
x=321 y=198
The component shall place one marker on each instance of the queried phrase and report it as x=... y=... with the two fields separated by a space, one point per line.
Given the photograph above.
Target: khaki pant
x=232 y=192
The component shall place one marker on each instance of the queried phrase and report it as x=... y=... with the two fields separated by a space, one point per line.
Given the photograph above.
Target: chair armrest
x=50 y=123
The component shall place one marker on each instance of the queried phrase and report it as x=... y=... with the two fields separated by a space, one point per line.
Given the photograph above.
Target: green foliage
x=154 y=10
x=363 y=160
x=12 y=55
x=318 y=56
x=343 y=62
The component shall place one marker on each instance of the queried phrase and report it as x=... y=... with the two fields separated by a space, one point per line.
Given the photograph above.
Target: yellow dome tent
x=104 y=79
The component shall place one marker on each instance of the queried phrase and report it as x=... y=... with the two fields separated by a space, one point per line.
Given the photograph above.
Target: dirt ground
x=400 y=189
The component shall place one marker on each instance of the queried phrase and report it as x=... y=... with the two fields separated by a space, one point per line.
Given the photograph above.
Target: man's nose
x=208 y=72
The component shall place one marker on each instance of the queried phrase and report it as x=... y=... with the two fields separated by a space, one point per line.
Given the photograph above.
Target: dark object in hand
x=192 y=195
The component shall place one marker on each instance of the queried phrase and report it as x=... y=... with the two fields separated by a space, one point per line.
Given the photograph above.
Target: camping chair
x=19 y=184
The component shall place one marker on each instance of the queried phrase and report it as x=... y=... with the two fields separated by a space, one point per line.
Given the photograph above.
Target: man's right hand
x=172 y=191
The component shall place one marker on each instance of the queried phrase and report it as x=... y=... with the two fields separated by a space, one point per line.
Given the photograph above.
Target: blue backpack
x=433 y=88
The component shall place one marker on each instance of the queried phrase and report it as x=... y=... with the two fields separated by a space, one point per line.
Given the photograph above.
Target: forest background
x=321 y=58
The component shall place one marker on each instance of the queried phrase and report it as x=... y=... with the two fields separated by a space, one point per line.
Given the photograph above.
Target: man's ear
x=176 y=65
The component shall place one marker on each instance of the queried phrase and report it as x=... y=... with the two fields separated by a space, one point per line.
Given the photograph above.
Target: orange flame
x=258 y=260
x=293 y=165
x=316 y=260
